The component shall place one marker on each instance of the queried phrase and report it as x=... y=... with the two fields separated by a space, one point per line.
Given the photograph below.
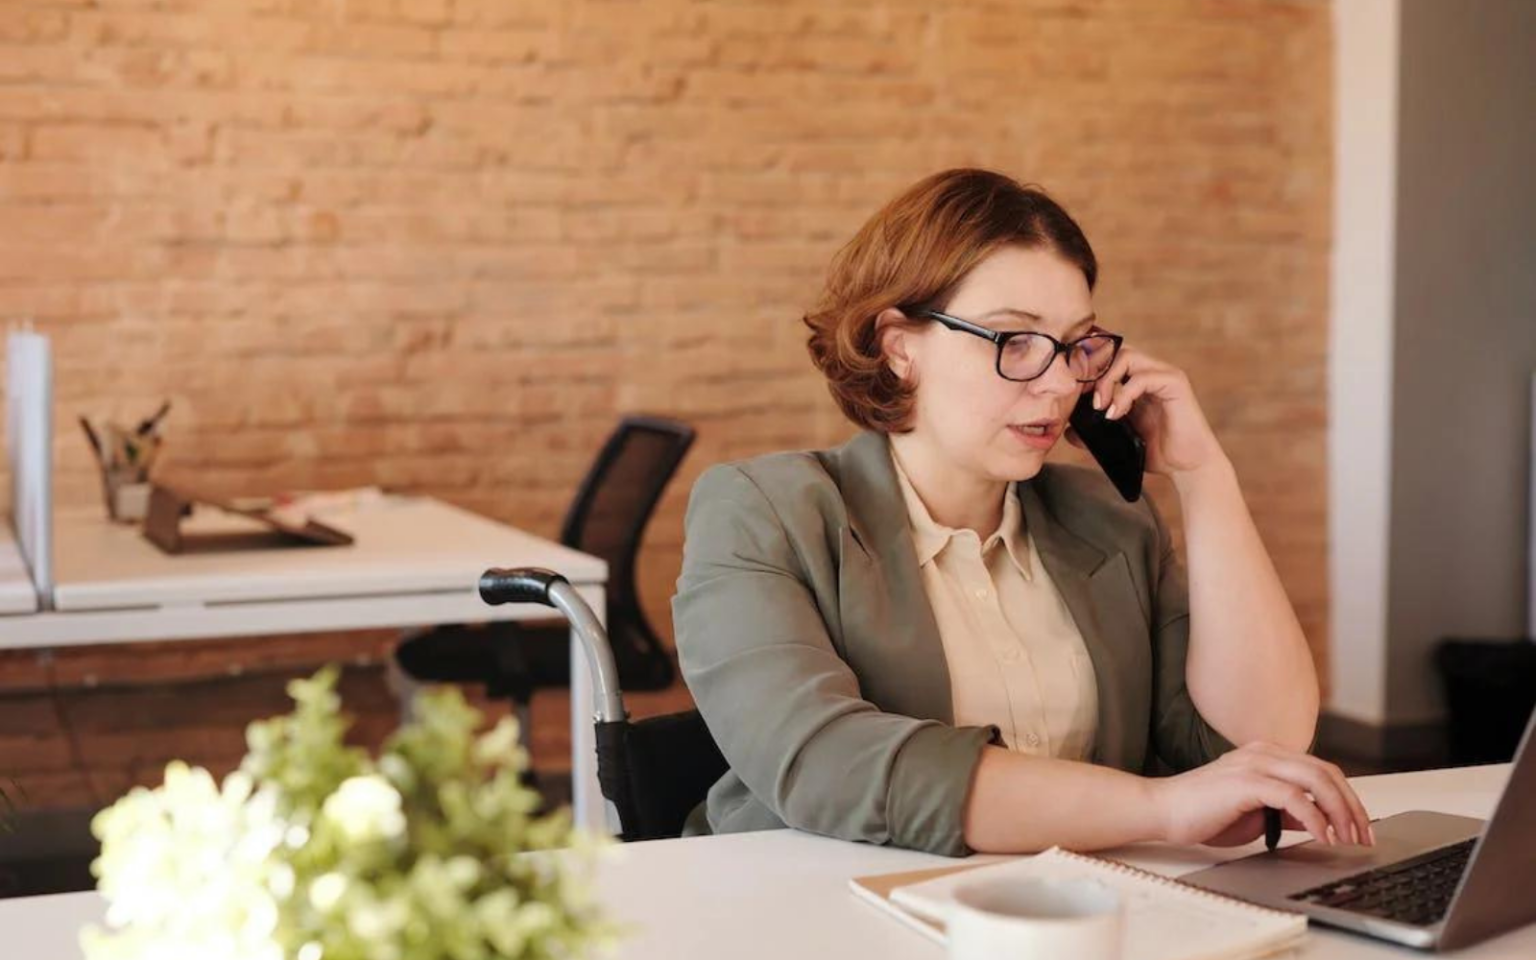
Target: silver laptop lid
x=1496 y=891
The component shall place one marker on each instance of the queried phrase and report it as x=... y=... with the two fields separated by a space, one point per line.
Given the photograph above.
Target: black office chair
x=656 y=770
x=607 y=519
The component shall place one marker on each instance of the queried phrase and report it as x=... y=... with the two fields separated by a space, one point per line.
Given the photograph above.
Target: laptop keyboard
x=1417 y=891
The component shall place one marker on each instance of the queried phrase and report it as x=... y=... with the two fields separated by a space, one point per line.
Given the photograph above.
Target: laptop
x=1433 y=880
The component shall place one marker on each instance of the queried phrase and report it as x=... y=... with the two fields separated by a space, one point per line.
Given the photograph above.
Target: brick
x=372 y=41
x=499 y=13
x=425 y=11
x=119 y=143
x=157 y=29
x=51 y=790
x=24 y=25
x=500 y=46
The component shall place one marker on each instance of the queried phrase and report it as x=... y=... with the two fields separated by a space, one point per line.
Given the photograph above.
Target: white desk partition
x=29 y=452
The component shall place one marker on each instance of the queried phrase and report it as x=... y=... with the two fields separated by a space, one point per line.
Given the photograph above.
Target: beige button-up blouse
x=1016 y=658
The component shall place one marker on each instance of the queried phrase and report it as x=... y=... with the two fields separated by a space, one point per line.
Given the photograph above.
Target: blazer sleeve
x=1181 y=736
x=785 y=708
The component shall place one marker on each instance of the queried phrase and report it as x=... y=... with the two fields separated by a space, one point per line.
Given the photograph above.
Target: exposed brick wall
x=441 y=244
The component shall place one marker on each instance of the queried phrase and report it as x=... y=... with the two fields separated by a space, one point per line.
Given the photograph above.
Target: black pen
x=1271 y=828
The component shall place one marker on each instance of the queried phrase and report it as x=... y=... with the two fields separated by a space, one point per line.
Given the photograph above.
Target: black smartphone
x=1116 y=447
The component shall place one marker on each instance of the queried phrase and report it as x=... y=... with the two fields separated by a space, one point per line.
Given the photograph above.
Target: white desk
x=415 y=562
x=782 y=894
x=17 y=595
x=768 y=896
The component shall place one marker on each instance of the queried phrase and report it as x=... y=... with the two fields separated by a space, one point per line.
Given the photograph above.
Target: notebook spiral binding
x=1158 y=878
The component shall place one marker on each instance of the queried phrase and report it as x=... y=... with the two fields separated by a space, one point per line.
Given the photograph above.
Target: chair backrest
x=608 y=518
x=656 y=770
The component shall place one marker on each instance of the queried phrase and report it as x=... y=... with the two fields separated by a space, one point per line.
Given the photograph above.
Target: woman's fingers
x=1360 y=817
x=1291 y=799
x=1329 y=785
x=1126 y=394
x=1104 y=387
x=1289 y=822
x=1328 y=795
x=1125 y=380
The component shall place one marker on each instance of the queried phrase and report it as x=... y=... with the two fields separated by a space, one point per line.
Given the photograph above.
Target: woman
x=930 y=638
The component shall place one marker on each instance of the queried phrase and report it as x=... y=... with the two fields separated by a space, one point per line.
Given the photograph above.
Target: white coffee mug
x=1035 y=919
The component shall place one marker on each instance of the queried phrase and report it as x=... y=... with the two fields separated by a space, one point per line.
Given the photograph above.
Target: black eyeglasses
x=1024 y=355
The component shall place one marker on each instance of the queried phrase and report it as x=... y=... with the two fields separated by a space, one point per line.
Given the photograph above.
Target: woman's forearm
x=1024 y=804
x=1249 y=670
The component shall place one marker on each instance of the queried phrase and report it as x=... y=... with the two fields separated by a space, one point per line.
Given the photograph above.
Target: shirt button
x=1011 y=654
x=1032 y=740
x=981 y=593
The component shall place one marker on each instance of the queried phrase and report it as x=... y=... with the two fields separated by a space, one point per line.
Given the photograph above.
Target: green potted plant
x=313 y=850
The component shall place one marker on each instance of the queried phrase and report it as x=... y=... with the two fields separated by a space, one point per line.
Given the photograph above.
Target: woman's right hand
x=1222 y=803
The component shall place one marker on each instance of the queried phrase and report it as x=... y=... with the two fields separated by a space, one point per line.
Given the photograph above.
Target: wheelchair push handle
x=520 y=585
x=537 y=585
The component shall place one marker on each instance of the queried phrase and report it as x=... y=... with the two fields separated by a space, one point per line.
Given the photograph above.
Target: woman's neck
x=954 y=497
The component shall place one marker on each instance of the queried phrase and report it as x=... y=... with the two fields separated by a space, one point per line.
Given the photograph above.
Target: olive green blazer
x=806 y=637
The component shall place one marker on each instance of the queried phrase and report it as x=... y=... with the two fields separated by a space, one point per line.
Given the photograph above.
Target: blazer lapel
x=891 y=638
x=890 y=635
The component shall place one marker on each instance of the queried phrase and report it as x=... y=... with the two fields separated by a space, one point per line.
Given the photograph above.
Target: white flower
x=365 y=808
x=186 y=870
x=326 y=891
x=307 y=853
x=500 y=744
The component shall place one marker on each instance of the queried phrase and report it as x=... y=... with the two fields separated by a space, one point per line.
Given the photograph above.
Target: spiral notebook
x=1164 y=919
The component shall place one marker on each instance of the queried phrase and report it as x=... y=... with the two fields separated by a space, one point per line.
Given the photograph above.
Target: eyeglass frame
x=1001 y=339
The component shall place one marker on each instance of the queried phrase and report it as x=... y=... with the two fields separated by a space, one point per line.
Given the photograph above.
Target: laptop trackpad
x=1270 y=877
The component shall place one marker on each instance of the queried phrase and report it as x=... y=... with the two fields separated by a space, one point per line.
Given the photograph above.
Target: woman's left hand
x=1161 y=404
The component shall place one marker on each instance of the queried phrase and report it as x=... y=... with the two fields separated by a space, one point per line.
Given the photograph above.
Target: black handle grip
x=518 y=585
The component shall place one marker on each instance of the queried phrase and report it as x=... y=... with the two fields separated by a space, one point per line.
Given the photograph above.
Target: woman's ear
x=895 y=339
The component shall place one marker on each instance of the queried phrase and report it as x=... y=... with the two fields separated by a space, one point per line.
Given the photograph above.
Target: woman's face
x=974 y=418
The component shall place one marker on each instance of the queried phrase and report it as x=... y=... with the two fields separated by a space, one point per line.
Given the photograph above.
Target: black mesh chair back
x=607 y=520
x=655 y=771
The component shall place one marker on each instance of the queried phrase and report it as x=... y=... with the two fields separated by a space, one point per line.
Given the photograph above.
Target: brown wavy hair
x=912 y=255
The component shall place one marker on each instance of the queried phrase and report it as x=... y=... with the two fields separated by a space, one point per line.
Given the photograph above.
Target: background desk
x=415 y=562
x=782 y=894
